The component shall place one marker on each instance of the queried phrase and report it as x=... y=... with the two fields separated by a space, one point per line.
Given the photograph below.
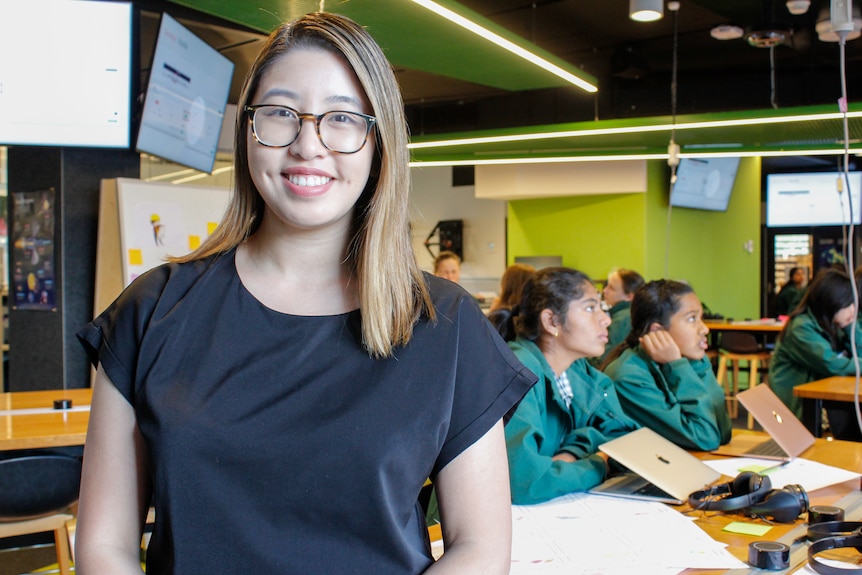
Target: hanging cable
x=773 y=98
x=844 y=186
x=673 y=147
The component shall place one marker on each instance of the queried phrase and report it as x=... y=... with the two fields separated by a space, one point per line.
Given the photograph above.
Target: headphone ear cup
x=748 y=483
x=749 y=488
x=783 y=505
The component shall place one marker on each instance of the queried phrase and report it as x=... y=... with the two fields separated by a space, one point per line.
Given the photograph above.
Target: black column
x=43 y=351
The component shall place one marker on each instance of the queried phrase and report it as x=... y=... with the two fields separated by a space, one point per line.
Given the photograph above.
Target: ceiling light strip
x=624 y=157
x=506 y=44
x=632 y=130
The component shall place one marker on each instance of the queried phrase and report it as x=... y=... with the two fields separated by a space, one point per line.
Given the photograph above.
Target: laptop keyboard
x=651 y=490
x=770 y=448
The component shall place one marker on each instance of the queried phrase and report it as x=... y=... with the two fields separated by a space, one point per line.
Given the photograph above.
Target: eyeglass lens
x=279 y=126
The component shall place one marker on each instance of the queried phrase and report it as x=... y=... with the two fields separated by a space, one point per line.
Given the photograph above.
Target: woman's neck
x=558 y=357
x=301 y=273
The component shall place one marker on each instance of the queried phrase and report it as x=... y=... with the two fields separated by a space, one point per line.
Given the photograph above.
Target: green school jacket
x=542 y=426
x=680 y=400
x=804 y=354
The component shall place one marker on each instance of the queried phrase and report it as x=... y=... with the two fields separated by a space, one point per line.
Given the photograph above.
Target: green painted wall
x=598 y=233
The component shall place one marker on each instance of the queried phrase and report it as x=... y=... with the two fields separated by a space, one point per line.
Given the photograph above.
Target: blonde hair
x=392 y=290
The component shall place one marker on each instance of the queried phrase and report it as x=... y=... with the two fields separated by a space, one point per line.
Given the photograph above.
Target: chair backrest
x=38 y=485
x=738 y=342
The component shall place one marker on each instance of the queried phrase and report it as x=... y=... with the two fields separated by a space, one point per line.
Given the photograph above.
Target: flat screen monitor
x=811 y=199
x=65 y=73
x=186 y=96
x=704 y=183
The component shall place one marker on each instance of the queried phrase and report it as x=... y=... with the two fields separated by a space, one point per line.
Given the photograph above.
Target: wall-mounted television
x=811 y=199
x=704 y=183
x=186 y=96
x=66 y=73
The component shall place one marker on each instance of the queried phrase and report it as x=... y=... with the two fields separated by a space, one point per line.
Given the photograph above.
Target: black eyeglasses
x=339 y=131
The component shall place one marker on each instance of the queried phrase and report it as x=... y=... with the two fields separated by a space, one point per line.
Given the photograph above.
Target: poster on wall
x=33 y=262
x=160 y=220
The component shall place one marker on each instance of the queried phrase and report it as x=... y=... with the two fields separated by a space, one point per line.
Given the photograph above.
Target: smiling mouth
x=308 y=181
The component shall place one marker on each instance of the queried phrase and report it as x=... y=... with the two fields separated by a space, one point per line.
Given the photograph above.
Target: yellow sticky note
x=747 y=528
x=211 y=226
x=194 y=242
x=136 y=257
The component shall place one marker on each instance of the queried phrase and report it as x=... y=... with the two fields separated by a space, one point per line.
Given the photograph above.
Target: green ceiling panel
x=413 y=37
x=758 y=137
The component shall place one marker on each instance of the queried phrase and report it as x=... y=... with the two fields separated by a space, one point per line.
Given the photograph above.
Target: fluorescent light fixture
x=646 y=10
x=506 y=44
x=632 y=130
x=624 y=157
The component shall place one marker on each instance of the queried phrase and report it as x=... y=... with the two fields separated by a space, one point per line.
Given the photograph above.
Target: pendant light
x=646 y=10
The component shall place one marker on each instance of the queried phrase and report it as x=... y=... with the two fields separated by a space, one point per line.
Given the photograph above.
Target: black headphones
x=752 y=494
x=833 y=535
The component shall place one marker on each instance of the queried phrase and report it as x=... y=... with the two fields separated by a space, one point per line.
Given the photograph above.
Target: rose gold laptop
x=788 y=437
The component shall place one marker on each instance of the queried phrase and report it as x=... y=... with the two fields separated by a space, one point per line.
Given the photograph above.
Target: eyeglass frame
x=250 y=110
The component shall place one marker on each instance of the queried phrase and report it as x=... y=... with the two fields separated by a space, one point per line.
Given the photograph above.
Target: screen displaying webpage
x=65 y=78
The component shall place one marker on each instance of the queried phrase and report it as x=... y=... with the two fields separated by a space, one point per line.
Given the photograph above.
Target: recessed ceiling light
x=797 y=7
x=726 y=32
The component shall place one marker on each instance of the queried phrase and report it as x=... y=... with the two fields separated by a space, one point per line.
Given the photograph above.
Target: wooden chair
x=735 y=347
x=38 y=493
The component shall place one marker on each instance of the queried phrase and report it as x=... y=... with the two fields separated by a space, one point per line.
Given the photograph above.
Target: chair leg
x=754 y=374
x=721 y=376
x=735 y=392
x=61 y=544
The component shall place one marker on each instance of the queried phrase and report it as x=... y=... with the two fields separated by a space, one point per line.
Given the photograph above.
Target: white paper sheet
x=596 y=535
x=811 y=475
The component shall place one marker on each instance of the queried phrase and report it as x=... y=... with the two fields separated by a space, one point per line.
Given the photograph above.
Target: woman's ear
x=549 y=321
x=655 y=326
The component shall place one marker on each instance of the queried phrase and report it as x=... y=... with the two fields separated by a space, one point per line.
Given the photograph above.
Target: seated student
x=511 y=288
x=791 y=292
x=618 y=293
x=815 y=341
x=662 y=375
x=553 y=436
x=448 y=265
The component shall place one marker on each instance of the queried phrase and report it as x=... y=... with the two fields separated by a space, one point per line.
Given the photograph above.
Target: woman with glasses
x=282 y=393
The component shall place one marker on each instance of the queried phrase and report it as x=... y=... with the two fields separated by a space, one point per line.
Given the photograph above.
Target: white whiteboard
x=160 y=220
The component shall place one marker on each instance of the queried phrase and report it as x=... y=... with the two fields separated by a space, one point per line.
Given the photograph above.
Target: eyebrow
x=291 y=95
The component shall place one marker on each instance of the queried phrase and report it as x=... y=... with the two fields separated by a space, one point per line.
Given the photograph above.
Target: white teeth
x=308 y=181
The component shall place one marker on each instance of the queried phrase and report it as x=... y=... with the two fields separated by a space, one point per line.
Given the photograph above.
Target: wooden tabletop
x=836 y=388
x=28 y=419
x=843 y=454
x=772 y=326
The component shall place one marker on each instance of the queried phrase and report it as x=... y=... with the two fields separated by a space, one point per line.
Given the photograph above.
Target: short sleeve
x=112 y=339
x=489 y=382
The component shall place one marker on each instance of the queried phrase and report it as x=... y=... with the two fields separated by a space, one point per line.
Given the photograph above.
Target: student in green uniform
x=815 y=341
x=553 y=436
x=662 y=375
x=791 y=292
x=618 y=293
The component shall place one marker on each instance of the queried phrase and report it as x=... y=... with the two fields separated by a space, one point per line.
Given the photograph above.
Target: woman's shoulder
x=629 y=360
x=172 y=280
x=528 y=353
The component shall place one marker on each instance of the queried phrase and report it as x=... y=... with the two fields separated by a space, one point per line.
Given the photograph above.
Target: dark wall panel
x=43 y=352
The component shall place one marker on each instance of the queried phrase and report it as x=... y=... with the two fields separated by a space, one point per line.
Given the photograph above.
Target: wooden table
x=28 y=419
x=760 y=326
x=765 y=330
x=843 y=454
x=837 y=388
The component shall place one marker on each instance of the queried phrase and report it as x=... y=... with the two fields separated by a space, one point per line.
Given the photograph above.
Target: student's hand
x=660 y=347
x=564 y=456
